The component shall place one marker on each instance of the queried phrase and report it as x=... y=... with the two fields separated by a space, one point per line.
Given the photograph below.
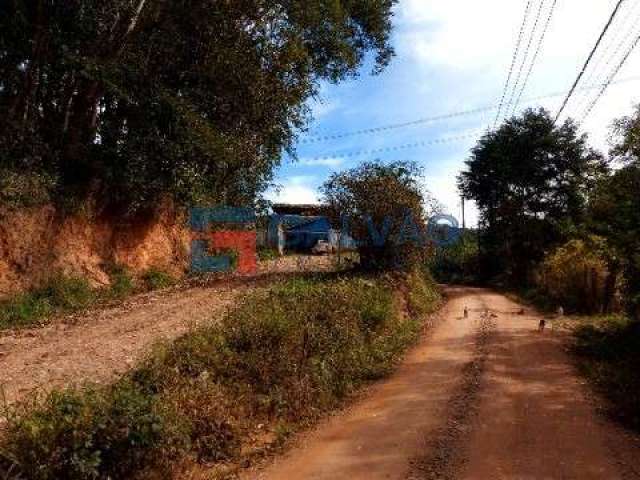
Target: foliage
x=128 y=101
x=79 y=434
x=456 y=263
x=608 y=350
x=381 y=205
x=156 y=279
x=281 y=358
x=266 y=254
x=615 y=211
x=576 y=275
x=626 y=136
x=59 y=294
x=122 y=283
x=530 y=180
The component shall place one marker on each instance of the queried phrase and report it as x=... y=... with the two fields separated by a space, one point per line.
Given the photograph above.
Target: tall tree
x=127 y=100
x=531 y=180
x=382 y=205
x=615 y=208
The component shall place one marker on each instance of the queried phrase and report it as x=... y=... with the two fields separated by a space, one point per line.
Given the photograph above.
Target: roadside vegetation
x=456 y=263
x=227 y=391
x=608 y=352
x=62 y=294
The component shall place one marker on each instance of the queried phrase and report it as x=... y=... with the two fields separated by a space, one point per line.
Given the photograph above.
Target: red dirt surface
x=486 y=397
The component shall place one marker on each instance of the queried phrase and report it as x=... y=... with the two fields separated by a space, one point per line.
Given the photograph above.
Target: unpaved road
x=101 y=344
x=487 y=397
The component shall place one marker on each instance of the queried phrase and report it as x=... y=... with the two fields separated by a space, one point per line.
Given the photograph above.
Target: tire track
x=446 y=450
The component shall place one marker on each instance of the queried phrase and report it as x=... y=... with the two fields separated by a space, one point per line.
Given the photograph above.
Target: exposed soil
x=486 y=397
x=101 y=344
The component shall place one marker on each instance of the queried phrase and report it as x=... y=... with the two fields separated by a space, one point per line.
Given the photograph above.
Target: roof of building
x=299 y=209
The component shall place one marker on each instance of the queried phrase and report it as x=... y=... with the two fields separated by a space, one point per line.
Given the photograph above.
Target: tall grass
x=65 y=294
x=60 y=293
x=608 y=353
x=281 y=359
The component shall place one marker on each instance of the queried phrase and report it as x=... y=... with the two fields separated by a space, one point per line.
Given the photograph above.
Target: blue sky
x=454 y=55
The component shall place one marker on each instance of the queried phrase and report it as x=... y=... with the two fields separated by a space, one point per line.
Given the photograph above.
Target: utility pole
x=464 y=226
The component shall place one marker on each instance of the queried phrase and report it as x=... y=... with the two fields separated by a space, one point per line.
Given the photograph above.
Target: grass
x=62 y=294
x=607 y=350
x=265 y=254
x=156 y=279
x=282 y=359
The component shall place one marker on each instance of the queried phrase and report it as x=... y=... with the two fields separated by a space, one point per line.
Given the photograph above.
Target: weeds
x=122 y=283
x=65 y=294
x=265 y=254
x=608 y=354
x=281 y=359
x=156 y=279
x=60 y=293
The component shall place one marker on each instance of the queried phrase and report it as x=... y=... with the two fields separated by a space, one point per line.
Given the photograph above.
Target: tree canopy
x=531 y=181
x=382 y=205
x=129 y=100
x=615 y=208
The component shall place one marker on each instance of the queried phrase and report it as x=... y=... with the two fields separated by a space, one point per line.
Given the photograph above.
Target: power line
x=526 y=53
x=513 y=60
x=611 y=77
x=423 y=143
x=586 y=64
x=535 y=56
x=619 y=37
x=445 y=116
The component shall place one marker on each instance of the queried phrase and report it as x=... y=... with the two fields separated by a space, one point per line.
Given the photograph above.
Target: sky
x=454 y=56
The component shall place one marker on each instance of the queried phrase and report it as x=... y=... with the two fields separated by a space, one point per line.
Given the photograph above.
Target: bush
x=457 y=263
x=60 y=293
x=265 y=254
x=122 y=283
x=575 y=275
x=281 y=358
x=608 y=353
x=90 y=433
x=156 y=279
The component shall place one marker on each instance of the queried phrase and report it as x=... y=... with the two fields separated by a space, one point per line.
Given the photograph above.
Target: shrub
x=265 y=254
x=457 y=263
x=281 y=358
x=59 y=293
x=90 y=433
x=156 y=279
x=122 y=283
x=575 y=274
x=608 y=353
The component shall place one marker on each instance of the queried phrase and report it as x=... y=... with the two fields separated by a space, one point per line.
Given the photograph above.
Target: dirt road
x=101 y=344
x=486 y=397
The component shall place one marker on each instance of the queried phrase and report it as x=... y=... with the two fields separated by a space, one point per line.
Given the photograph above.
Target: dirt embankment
x=36 y=242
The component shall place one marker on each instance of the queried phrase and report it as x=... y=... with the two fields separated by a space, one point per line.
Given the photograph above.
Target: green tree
x=129 y=100
x=383 y=207
x=615 y=208
x=531 y=180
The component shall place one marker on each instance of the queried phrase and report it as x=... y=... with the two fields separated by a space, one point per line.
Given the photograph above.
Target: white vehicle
x=322 y=247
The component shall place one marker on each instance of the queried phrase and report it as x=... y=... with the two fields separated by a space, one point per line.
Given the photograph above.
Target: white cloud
x=441 y=182
x=322 y=162
x=295 y=189
x=454 y=55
